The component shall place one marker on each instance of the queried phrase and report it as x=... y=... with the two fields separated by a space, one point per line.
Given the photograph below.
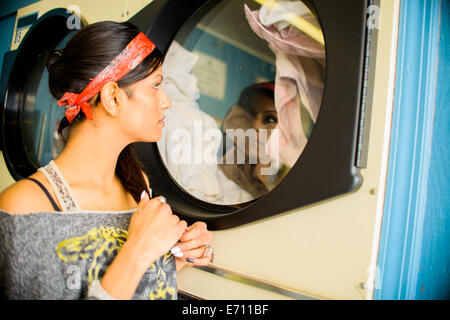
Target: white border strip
x=371 y=282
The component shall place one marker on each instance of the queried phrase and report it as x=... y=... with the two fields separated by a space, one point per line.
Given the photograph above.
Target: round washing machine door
x=278 y=84
x=31 y=115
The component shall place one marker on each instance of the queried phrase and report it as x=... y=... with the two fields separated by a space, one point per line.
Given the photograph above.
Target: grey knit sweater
x=51 y=255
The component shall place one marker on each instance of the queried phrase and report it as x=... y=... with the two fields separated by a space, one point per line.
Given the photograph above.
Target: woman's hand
x=153 y=230
x=193 y=244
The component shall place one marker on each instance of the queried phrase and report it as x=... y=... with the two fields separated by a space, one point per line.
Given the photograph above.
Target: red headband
x=265 y=85
x=133 y=54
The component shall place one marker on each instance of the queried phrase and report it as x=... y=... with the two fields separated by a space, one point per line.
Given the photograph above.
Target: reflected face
x=266 y=116
x=257 y=113
x=144 y=107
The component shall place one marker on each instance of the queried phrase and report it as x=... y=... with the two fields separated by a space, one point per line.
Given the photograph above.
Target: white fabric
x=182 y=153
x=96 y=291
x=62 y=189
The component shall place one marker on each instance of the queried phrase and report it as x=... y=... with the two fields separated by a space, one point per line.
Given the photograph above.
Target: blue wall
x=414 y=253
x=10 y=6
x=6 y=32
x=434 y=270
x=8 y=9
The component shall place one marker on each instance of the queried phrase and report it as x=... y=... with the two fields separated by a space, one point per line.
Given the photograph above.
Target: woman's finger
x=194 y=253
x=202 y=240
x=200 y=262
x=149 y=204
x=194 y=231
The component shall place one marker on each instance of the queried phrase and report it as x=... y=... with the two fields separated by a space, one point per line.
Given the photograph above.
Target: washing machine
x=308 y=229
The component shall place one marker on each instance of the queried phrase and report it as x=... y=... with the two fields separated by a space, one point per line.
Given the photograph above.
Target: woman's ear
x=109 y=98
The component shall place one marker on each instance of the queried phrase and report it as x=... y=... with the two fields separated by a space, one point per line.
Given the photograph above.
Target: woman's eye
x=270 y=119
x=156 y=85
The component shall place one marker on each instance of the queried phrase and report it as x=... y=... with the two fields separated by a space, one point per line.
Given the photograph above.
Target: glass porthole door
x=245 y=99
x=243 y=75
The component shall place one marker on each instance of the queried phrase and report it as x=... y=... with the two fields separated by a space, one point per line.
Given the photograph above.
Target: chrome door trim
x=259 y=283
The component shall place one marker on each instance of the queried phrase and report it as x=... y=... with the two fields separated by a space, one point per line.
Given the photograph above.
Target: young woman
x=84 y=225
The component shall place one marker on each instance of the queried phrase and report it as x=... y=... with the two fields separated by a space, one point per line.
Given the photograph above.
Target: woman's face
x=266 y=116
x=144 y=108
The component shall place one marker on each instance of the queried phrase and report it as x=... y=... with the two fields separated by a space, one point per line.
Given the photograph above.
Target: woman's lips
x=162 y=122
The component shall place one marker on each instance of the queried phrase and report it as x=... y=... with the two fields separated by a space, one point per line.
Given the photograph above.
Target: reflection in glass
x=254 y=113
x=246 y=88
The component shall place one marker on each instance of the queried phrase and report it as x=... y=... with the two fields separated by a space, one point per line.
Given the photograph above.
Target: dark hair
x=87 y=53
x=247 y=97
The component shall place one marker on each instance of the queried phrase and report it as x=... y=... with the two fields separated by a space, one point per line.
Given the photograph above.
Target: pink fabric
x=299 y=62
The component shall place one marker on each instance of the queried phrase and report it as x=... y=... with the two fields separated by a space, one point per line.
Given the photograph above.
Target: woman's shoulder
x=25 y=197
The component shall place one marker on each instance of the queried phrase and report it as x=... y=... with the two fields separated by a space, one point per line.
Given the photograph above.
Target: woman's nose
x=165 y=102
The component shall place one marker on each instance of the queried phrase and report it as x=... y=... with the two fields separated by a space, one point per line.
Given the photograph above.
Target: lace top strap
x=62 y=189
